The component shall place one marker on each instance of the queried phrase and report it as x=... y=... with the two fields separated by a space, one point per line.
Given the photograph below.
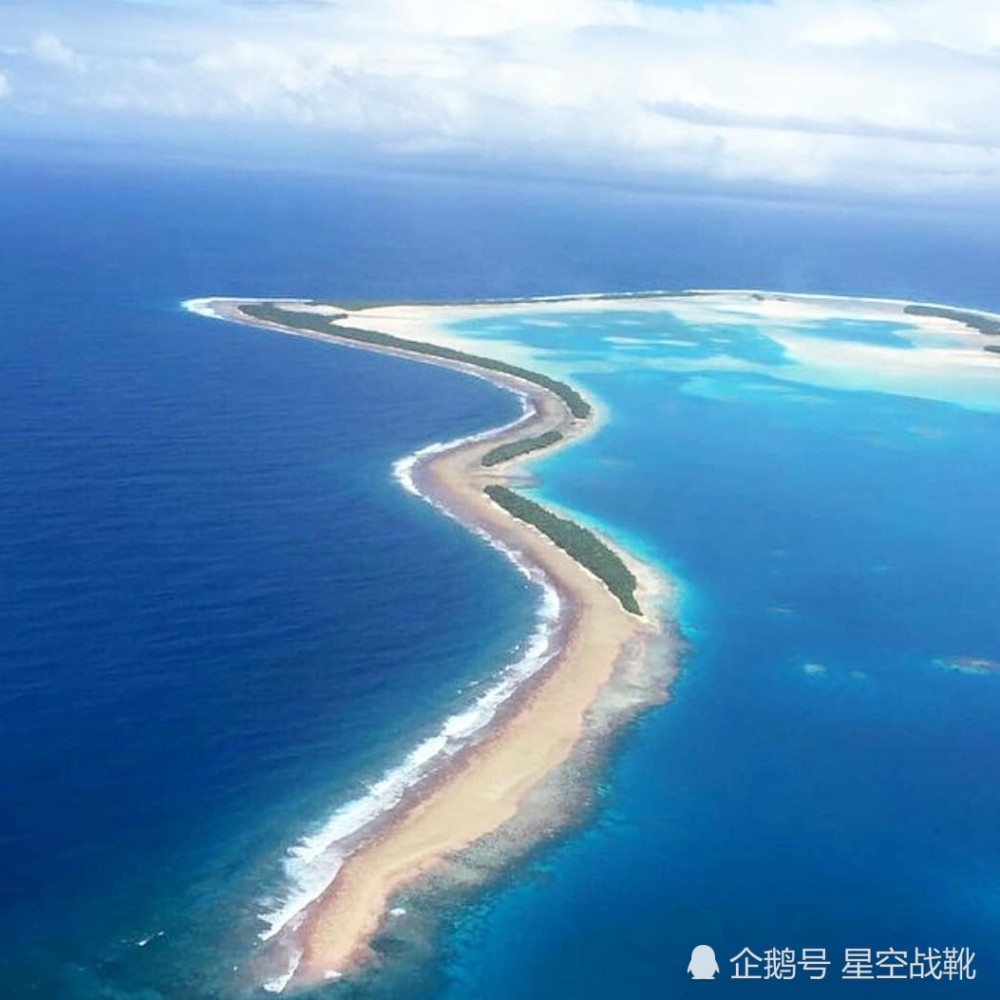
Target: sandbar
x=483 y=788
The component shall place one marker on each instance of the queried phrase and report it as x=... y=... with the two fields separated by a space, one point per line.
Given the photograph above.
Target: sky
x=898 y=96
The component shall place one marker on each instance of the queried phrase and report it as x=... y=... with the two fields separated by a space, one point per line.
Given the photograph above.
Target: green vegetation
x=582 y=545
x=505 y=452
x=977 y=321
x=270 y=313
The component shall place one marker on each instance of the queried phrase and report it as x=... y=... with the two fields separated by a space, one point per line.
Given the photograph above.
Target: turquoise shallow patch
x=879 y=334
x=651 y=334
x=831 y=541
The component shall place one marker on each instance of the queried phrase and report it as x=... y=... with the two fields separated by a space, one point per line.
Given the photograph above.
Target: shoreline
x=536 y=725
x=815 y=298
x=333 y=932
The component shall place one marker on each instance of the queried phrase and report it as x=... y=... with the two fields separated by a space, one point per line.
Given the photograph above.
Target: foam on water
x=403 y=470
x=311 y=865
x=278 y=983
x=203 y=306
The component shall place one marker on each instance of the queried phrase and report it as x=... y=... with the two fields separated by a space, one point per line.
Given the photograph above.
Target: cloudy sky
x=900 y=95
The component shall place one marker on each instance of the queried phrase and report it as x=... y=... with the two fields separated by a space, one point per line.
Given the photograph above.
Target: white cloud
x=897 y=93
x=4 y=87
x=52 y=51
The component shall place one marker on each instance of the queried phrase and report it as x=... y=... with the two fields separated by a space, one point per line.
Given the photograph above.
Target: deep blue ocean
x=221 y=616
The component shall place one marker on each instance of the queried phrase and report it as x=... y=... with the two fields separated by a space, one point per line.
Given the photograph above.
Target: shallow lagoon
x=818 y=779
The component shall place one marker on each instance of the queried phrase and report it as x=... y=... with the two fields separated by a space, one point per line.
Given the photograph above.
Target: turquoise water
x=818 y=780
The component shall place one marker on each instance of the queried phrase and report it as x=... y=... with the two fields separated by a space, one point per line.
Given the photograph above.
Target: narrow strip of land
x=517 y=449
x=319 y=323
x=975 y=321
x=607 y=613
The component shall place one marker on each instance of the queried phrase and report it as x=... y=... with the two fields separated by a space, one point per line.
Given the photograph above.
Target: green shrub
x=977 y=321
x=579 y=542
x=505 y=452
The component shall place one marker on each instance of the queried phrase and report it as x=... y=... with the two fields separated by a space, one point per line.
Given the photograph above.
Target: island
x=609 y=609
x=988 y=325
x=980 y=322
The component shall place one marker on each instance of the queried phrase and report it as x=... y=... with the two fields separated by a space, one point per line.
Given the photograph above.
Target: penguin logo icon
x=703 y=964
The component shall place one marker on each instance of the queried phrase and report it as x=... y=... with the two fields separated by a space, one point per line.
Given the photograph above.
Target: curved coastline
x=537 y=714
x=332 y=934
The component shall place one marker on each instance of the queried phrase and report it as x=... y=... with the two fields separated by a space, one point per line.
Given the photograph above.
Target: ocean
x=223 y=619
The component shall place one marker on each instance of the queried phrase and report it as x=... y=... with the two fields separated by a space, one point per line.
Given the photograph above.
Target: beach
x=478 y=792
x=533 y=733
